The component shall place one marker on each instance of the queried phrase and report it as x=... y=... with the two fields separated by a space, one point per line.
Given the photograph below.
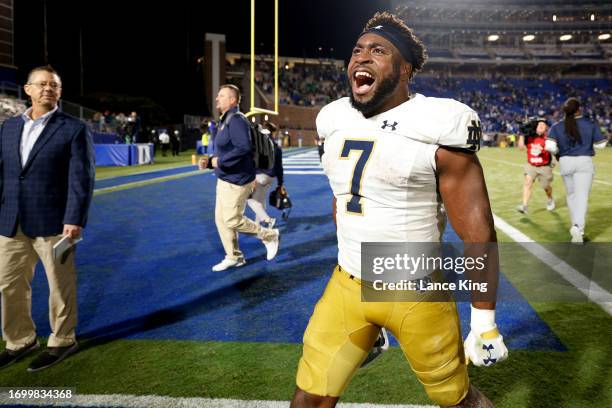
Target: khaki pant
x=18 y=258
x=543 y=173
x=229 y=217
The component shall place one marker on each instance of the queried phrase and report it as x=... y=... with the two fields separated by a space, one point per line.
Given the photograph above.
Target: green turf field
x=504 y=174
x=579 y=377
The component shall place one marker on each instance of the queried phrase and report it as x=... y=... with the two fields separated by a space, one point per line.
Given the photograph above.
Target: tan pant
x=542 y=173
x=18 y=258
x=229 y=217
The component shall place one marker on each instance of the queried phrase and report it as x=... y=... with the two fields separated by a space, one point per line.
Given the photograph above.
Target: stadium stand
x=523 y=34
x=506 y=79
x=502 y=102
x=108 y=127
x=10 y=106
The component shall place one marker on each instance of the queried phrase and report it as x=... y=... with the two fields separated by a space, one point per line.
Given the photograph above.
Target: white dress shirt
x=32 y=128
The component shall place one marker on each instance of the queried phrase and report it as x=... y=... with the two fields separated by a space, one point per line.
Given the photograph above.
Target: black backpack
x=263 y=145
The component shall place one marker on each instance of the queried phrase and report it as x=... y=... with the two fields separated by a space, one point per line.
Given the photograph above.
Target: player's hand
x=484 y=345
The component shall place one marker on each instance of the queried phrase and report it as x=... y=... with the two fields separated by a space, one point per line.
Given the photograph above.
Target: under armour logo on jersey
x=385 y=124
x=474 y=135
x=488 y=349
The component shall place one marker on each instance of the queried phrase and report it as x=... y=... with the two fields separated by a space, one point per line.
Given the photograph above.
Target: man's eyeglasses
x=43 y=85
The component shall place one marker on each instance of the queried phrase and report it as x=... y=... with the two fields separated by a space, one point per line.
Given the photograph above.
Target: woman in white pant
x=574 y=139
x=264 y=180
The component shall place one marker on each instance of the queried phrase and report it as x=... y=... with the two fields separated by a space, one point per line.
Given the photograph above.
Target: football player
x=394 y=160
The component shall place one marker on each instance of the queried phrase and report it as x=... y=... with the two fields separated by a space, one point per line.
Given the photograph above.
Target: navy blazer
x=56 y=184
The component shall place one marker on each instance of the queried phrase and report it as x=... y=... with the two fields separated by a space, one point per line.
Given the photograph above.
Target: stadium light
x=605 y=36
x=565 y=37
x=554 y=17
x=529 y=37
x=592 y=17
x=493 y=37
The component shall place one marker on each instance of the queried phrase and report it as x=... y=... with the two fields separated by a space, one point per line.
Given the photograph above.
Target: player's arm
x=463 y=190
x=464 y=193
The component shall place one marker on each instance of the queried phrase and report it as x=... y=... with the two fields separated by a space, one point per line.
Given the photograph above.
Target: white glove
x=550 y=145
x=601 y=145
x=484 y=345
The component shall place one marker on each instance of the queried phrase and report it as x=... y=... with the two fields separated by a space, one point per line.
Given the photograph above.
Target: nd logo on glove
x=484 y=345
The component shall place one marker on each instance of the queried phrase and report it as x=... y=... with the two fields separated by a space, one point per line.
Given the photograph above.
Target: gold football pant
x=343 y=329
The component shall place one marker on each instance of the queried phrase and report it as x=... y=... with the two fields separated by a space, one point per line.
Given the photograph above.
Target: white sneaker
x=576 y=234
x=521 y=208
x=550 y=204
x=227 y=263
x=272 y=245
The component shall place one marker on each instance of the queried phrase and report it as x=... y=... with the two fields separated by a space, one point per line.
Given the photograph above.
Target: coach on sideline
x=46 y=184
x=235 y=169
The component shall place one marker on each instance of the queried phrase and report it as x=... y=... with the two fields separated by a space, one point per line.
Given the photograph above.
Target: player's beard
x=384 y=90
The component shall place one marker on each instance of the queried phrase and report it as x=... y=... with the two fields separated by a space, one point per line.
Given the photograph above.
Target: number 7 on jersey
x=365 y=148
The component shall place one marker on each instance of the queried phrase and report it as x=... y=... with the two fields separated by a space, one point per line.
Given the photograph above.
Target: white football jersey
x=382 y=170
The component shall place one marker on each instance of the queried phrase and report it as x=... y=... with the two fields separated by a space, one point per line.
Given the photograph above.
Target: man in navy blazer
x=47 y=175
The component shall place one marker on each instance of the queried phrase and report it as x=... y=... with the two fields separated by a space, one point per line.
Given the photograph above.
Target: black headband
x=396 y=37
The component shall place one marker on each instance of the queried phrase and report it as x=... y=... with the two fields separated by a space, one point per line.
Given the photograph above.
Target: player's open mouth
x=363 y=82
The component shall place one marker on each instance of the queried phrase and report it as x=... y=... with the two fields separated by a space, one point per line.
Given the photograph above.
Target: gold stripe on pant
x=230 y=220
x=18 y=258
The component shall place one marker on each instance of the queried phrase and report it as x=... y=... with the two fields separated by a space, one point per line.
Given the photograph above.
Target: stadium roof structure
x=505 y=4
x=514 y=32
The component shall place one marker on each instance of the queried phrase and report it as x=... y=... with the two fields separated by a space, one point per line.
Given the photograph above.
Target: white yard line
x=301 y=166
x=590 y=289
x=305 y=172
x=177 y=176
